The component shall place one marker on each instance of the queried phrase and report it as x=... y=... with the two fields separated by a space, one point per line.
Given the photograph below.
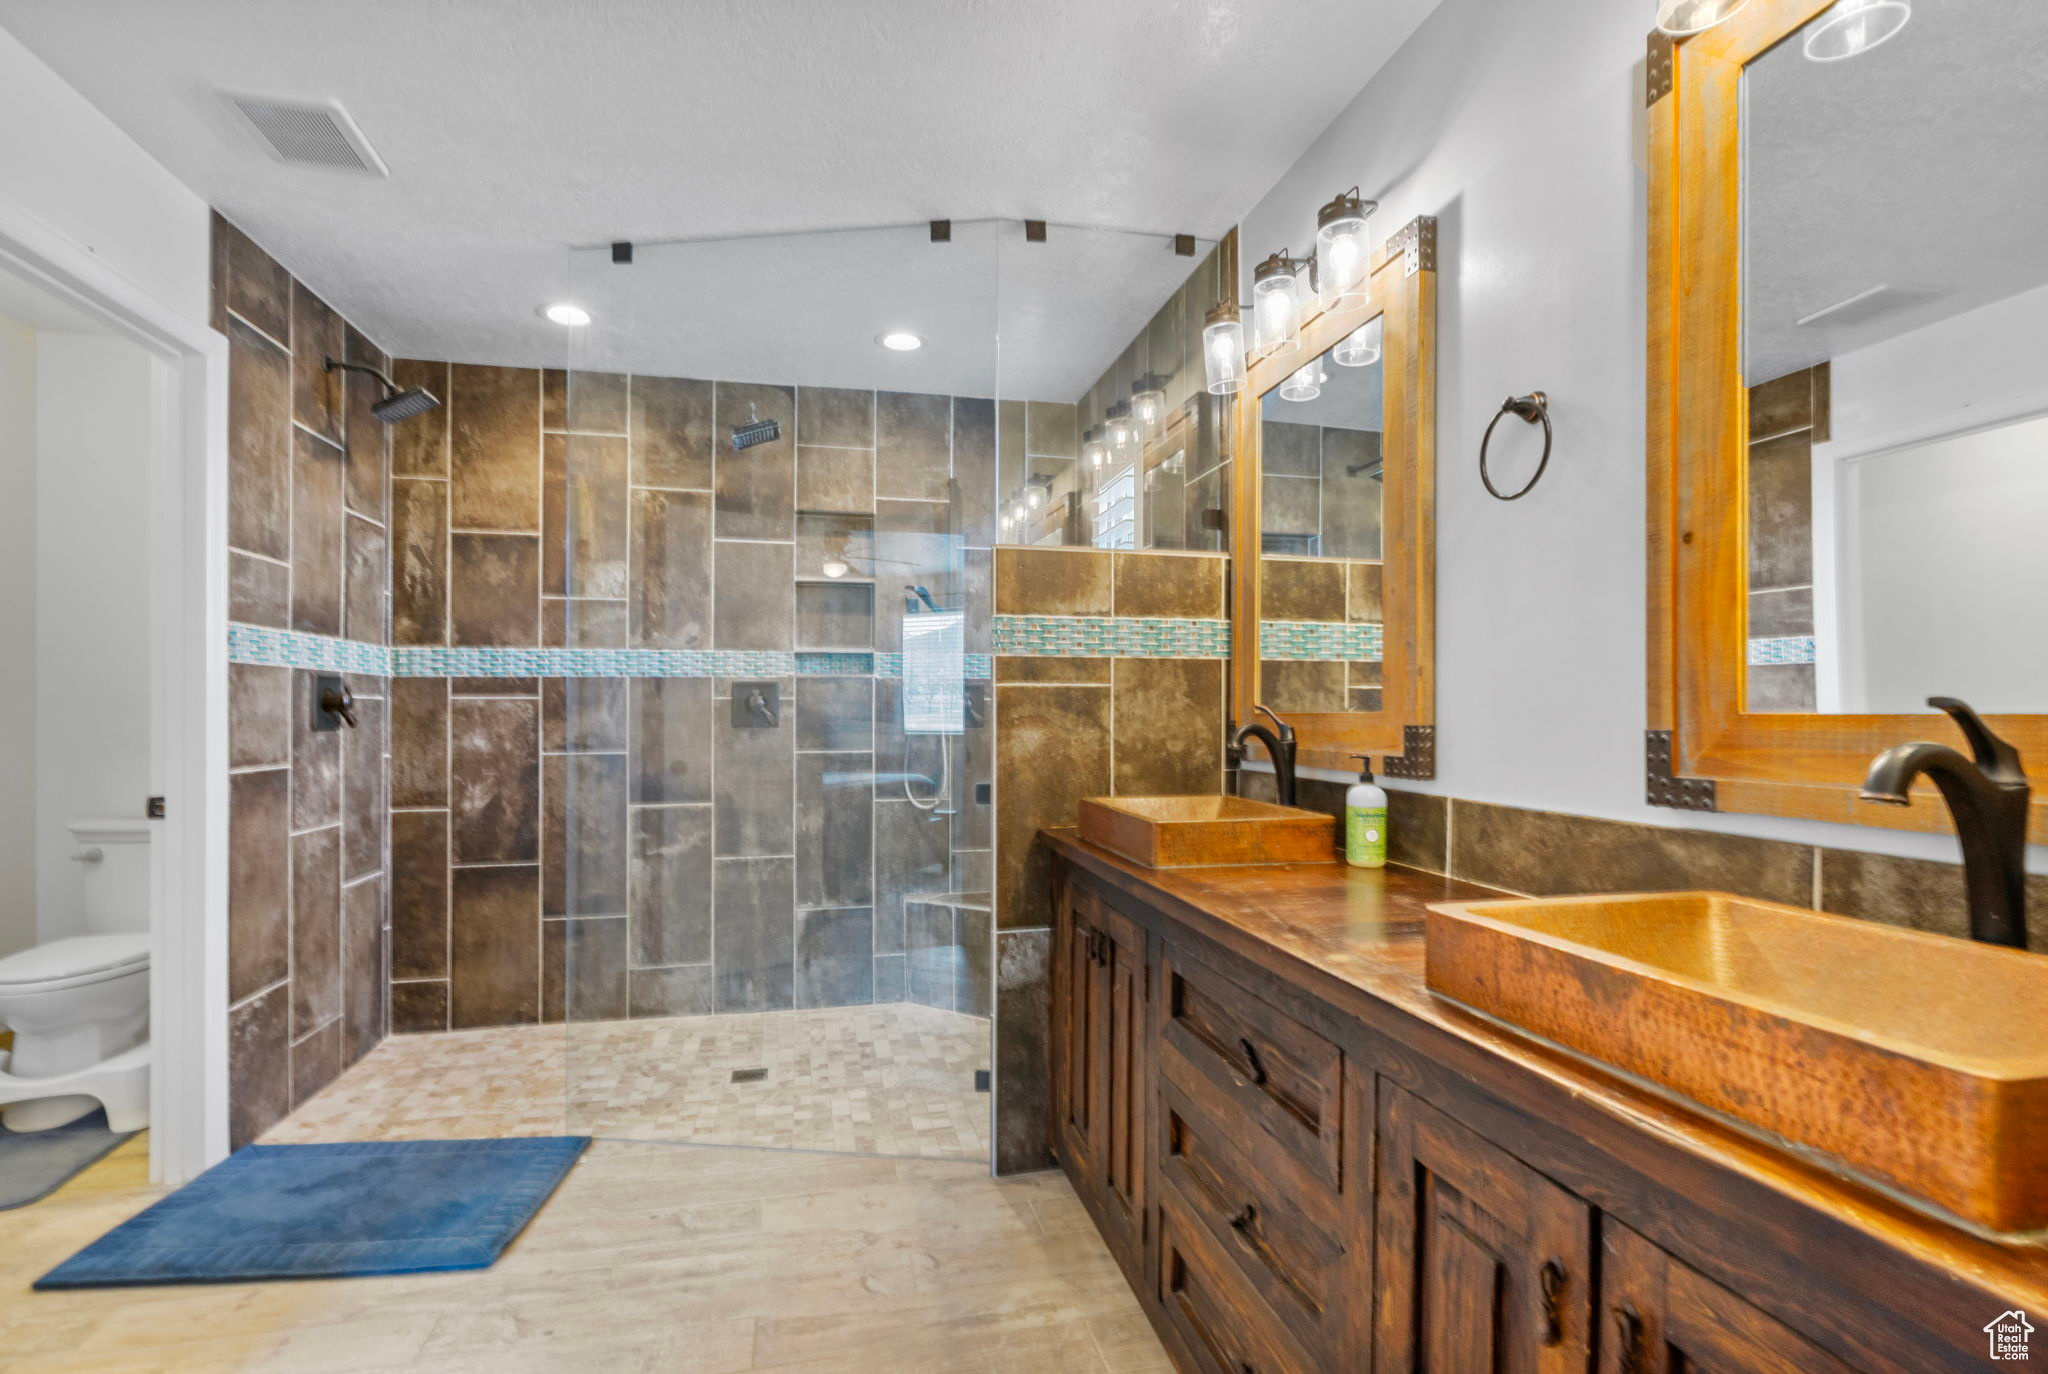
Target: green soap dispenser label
x=1365 y=836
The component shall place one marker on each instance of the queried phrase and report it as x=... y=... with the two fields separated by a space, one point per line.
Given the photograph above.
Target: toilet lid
x=79 y=958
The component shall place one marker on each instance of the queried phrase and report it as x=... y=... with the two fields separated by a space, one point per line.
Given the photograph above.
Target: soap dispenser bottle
x=1365 y=819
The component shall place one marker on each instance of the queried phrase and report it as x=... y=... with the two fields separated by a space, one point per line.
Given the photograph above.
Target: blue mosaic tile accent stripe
x=1781 y=649
x=260 y=644
x=1078 y=636
x=290 y=649
x=1322 y=641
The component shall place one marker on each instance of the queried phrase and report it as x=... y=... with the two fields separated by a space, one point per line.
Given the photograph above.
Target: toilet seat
x=76 y=962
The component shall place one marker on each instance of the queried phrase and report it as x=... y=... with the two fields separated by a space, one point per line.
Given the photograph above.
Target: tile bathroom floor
x=674 y=1258
x=894 y=1079
x=669 y=1257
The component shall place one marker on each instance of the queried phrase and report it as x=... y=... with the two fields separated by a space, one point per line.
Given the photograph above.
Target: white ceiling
x=516 y=129
x=1920 y=165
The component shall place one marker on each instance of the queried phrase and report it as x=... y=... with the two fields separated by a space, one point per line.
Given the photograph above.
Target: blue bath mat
x=34 y=1164
x=332 y=1211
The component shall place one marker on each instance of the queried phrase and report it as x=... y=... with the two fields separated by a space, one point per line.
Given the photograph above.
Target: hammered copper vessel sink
x=1206 y=831
x=1918 y=1061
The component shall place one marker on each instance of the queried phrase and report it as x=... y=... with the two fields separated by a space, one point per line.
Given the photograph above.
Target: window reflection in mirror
x=1321 y=493
x=1895 y=352
x=1115 y=442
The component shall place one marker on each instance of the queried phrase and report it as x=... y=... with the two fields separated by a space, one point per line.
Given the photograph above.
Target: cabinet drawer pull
x=1246 y=1217
x=1628 y=1331
x=1251 y=1058
x=1553 y=1280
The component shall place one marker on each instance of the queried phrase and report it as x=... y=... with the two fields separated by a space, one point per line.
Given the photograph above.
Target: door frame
x=188 y=678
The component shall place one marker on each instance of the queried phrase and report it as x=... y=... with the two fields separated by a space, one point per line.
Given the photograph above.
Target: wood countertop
x=1353 y=938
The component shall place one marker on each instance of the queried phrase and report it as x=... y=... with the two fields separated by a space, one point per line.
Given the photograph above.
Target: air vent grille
x=308 y=133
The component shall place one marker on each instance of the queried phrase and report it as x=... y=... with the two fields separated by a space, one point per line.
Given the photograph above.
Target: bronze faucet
x=1279 y=748
x=1987 y=799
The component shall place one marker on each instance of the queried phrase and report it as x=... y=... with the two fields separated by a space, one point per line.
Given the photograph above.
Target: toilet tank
x=115 y=887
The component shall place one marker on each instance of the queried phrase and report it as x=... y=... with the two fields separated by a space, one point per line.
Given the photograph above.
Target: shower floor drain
x=749 y=1075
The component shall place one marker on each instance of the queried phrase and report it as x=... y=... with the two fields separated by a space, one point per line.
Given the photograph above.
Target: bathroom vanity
x=1305 y=1160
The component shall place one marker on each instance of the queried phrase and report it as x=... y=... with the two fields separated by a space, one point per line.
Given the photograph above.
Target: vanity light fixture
x=574 y=316
x=1306 y=382
x=1276 y=305
x=899 y=341
x=1124 y=438
x=1223 y=350
x=835 y=567
x=1148 y=406
x=1681 y=18
x=1361 y=347
x=1852 y=27
x=1093 y=448
x=1343 y=252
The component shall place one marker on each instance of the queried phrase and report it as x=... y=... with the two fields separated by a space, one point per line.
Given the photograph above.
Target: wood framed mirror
x=1847 y=406
x=1333 y=612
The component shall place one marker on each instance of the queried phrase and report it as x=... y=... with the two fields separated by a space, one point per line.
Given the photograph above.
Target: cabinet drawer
x=1282 y=1229
x=1222 y=1323
x=1270 y=1074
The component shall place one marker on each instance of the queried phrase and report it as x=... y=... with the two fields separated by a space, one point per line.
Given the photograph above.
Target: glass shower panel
x=766 y=753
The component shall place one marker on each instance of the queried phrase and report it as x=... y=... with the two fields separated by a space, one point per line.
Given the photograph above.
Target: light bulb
x=1341 y=252
x=1851 y=27
x=1361 y=347
x=1223 y=351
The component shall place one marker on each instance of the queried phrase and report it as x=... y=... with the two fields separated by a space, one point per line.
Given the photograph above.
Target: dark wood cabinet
x=1294 y=1187
x=1662 y=1317
x=1483 y=1263
x=1101 y=1014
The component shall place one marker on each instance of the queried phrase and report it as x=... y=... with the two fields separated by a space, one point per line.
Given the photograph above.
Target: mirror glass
x=1895 y=351
x=1321 y=493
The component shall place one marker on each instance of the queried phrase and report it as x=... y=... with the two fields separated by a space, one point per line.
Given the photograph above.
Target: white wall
x=1520 y=127
x=17 y=627
x=64 y=162
x=92 y=659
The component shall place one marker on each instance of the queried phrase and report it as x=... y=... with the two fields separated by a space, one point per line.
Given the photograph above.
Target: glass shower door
x=766 y=750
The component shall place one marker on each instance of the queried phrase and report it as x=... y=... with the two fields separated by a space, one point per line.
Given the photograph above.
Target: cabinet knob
x=1251 y=1059
x=1628 y=1334
x=1553 y=1281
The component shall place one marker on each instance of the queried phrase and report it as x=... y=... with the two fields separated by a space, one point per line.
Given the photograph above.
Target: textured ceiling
x=518 y=129
x=1921 y=165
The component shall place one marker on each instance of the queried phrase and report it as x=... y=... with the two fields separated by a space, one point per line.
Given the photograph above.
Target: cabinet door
x=1666 y=1318
x=1484 y=1264
x=1080 y=1025
x=1126 y=1077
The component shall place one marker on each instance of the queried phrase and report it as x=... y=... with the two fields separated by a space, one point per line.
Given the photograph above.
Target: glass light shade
x=1276 y=311
x=1682 y=17
x=1855 y=26
x=1361 y=347
x=1124 y=436
x=1342 y=253
x=1223 y=353
x=1148 y=408
x=1305 y=384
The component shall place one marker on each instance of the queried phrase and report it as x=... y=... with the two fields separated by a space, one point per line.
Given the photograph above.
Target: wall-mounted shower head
x=755 y=431
x=396 y=404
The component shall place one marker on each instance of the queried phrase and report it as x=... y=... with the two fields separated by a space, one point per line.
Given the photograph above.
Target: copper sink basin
x=1919 y=1061
x=1206 y=831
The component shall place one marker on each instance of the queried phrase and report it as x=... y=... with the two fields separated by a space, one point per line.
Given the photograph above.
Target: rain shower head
x=396 y=405
x=755 y=431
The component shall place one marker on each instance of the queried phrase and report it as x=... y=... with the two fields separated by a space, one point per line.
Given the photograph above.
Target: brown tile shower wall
x=1787 y=416
x=307 y=532
x=594 y=847
x=1068 y=728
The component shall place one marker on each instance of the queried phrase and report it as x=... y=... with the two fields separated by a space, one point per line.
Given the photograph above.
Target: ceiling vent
x=307 y=133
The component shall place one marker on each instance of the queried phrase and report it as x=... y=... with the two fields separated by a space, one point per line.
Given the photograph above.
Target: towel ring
x=1531 y=408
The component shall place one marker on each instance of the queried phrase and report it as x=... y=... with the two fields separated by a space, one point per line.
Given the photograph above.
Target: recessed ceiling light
x=562 y=312
x=900 y=341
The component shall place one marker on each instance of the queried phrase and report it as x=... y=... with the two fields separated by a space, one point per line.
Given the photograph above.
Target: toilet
x=79 y=1006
